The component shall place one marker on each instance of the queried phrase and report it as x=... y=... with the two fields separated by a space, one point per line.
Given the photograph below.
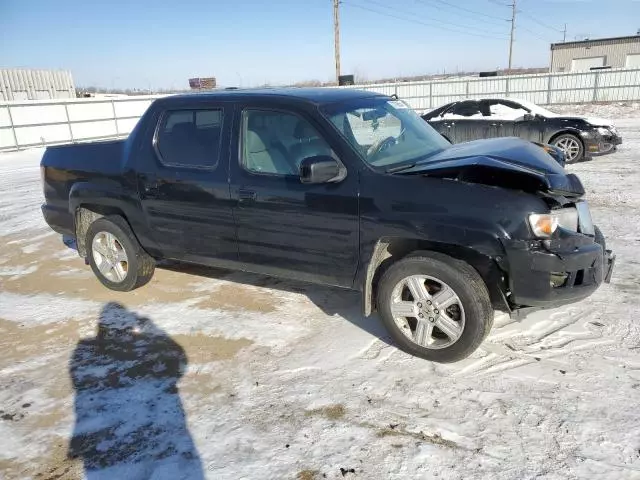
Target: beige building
x=617 y=52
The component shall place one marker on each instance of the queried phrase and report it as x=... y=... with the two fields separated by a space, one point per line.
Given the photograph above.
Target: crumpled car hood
x=529 y=165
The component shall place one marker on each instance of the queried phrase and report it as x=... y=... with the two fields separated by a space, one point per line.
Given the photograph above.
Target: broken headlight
x=544 y=224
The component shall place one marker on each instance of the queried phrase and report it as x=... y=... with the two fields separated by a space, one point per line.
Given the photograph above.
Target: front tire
x=115 y=255
x=571 y=145
x=435 y=307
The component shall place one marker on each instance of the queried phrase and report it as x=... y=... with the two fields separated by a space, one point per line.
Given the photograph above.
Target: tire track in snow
x=543 y=341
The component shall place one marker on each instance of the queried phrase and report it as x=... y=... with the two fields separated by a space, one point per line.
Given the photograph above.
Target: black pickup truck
x=338 y=187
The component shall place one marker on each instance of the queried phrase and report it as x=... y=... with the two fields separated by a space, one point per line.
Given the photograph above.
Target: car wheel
x=571 y=146
x=435 y=307
x=115 y=255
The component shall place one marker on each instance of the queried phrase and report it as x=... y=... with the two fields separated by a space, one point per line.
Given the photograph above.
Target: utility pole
x=336 y=36
x=564 y=33
x=513 y=27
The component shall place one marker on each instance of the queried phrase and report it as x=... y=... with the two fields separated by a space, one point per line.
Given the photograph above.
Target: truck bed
x=66 y=165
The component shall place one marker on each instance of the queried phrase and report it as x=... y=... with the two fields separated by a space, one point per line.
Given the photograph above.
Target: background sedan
x=578 y=137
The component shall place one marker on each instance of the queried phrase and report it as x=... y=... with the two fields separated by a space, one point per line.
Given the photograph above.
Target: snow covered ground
x=210 y=374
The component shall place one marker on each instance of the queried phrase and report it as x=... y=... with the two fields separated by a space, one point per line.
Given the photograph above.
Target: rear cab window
x=189 y=138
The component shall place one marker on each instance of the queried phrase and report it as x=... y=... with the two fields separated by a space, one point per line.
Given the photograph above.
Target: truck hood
x=504 y=162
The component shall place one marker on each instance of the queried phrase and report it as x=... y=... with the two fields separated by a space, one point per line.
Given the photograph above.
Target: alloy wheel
x=110 y=257
x=427 y=311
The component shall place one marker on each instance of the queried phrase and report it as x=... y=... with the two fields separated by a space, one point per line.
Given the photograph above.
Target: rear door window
x=189 y=138
x=469 y=109
x=504 y=110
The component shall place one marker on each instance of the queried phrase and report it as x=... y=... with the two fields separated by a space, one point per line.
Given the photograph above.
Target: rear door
x=467 y=122
x=183 y=183
x=285 y=227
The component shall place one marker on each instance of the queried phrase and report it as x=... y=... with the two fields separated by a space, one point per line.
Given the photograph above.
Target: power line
x=475 y=12
x=531 y=17
x=535 y=34
x=413 y=14
x=464 y=13
x=431 y=25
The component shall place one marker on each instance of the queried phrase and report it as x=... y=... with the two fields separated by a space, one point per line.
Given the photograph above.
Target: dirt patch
x=308 y=475
x=201 y=348
x=55 y=269
x=58 y=466
x=238 y=297
x=332 y=412
x=19 y=342
x=200 y=385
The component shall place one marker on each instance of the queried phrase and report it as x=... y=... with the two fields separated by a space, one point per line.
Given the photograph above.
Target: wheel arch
x=389 y=250
x=567 y=131
x=89 y=201
x=85 y=215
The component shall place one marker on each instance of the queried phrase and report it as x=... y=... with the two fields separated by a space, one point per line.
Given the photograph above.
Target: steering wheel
x=380 y=145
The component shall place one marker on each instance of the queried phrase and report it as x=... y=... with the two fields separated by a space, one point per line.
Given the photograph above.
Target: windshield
x=387 y=133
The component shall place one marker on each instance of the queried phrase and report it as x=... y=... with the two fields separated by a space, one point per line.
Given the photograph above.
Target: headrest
x=255 y=143
x=304 y=130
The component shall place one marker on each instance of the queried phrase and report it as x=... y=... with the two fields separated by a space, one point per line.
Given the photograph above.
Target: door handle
x=245 y=196
x=152 y=188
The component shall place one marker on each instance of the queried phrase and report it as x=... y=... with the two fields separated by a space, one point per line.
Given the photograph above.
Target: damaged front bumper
x=551 y=273
x=601 y=144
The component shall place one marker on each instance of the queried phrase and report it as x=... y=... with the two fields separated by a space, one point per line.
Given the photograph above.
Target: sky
x=160 y=44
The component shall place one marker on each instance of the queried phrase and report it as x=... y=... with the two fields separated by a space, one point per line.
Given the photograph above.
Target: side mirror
x=321 y=169
x=528 y=117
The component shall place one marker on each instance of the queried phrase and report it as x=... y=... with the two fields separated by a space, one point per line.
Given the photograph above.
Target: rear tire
x=470 y=311
x=115 y=255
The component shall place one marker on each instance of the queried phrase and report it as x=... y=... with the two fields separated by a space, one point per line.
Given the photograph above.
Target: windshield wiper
x=400 y=168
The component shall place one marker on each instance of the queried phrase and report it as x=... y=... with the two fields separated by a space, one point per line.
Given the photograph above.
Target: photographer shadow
x=130 y=422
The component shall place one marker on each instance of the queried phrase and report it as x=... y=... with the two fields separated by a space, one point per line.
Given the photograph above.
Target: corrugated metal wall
x=22 y=84
x=615 y=53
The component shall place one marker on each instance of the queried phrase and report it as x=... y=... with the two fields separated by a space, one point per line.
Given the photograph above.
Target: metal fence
x=26 y=124
x=543 y=89
x=29 y=124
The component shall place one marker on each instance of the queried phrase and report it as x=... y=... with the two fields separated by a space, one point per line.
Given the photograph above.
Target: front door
x=184 y=187
x=512 y=119
x=285 y=227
